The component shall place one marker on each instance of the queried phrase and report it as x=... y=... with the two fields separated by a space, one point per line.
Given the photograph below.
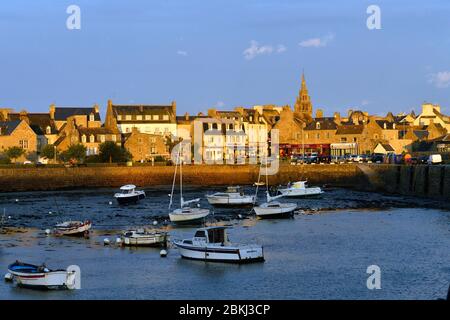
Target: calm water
x=319 y=256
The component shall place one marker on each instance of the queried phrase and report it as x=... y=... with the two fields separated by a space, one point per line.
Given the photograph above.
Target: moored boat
x=275 y=209
x=129 y=194
x=212 y=244
x=299 y=189
x=233 y=196
x=142 y=237
x=73 y=228
x=40 y=277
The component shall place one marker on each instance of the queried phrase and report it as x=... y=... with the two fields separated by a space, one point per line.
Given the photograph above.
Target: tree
x=111 y=152
x=48 y=151
x=14 y=152
x=75 y=152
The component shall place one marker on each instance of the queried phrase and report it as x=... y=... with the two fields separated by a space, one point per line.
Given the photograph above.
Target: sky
x=222 y=54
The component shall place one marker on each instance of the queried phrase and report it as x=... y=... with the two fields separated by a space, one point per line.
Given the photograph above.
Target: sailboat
x=186 y=213
x=271 y=208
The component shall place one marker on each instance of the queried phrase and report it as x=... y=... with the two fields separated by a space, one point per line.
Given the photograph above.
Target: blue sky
x=206 y=54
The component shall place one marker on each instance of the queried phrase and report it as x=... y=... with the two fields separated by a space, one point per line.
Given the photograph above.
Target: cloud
x=182 y=53
x=219 y=104
x=316 y=42
x=440 y=79
x=255 y=50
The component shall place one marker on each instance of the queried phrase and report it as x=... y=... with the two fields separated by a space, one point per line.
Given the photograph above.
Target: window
x=119 y=117
x=155 y=117
x=152 y=150
x=343 y=139
x=48 y=130
x=92 y=138
x=148 y=117
x=113 y=138
x=23 y=144
x=152 y=139
x=165 y=117
x=128 y=117
x=91 y=117
x=138 y=117
x=354 y=139
x=102 y=138
x=318 y=125
x=83 y=138
x=166 y=130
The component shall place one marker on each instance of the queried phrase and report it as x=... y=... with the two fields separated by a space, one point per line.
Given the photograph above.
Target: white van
x=434 y=159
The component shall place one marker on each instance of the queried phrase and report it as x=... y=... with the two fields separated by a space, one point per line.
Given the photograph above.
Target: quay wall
x=418 y=180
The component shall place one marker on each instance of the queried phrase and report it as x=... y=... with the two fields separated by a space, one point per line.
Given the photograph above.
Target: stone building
x=319 y=134
x=144 y=146
x=290 y=130
x=85 y=116
x=152 y=119
x=303 y=104
x=41 y=123
x=18 y=133
x=431 y=113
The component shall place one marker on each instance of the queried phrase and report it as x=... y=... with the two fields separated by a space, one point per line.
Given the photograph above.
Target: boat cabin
x=234 y=189
x=129 y=188
x=211 y=235
x=299 y=185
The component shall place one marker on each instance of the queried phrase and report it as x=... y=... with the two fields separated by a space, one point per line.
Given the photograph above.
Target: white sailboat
x=271 y=208
x=186 y=213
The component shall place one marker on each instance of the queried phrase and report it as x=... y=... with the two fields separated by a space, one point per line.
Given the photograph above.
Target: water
x=320 y=256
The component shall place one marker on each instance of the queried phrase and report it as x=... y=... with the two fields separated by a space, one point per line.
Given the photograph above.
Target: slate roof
x=38 y=122
x=350 y=129
x=7 y=127
x=325 y=124
x=389 y=125
x=387 y=147
x=62 y=113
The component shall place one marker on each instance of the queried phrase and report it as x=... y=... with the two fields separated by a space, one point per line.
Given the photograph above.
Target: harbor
x=322 y=252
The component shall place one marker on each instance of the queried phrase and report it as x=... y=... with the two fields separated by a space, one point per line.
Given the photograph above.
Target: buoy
x=240 y=216
x=163 y=253
x=49 y=212
x=110 y=203
x=17 y=200
x=155 y=222
x=106 y=242
x=47 y=231
x=9 y=277
x=9 y=217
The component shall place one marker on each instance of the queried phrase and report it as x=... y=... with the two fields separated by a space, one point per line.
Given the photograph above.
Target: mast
x=181 y=177
x=174 y=179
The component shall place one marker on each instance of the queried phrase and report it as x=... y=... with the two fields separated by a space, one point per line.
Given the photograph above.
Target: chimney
x=96 y=108
x=24 y=116
x=212 y=113
x=319 y=113
x=186 y=116
x=52 y=111
x=174 y=108
x=337 y=118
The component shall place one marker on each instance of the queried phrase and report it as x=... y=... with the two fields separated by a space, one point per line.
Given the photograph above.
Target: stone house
x=152 y=119
x=85 y=116
x=144 y=146
x=431 y=113
x=18 y=133
x=319 y=134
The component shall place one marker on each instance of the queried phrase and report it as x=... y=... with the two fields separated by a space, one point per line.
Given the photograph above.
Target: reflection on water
x=319 y=256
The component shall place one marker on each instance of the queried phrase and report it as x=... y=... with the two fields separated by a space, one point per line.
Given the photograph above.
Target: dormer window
x=165 y=117
x=92 y=138
x=102 y=138
x=83 y=138
x=48 y=130
x=155 y=117
x=318 y=125
x=128 y=117
x=385 y=125
x=139 y=117
x=91 y=117
x=148 y=117
x=119 y=117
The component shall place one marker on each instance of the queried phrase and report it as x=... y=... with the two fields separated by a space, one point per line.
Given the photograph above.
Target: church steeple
x=303 y=103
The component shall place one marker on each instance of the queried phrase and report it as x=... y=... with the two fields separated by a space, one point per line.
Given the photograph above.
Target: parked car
x=365 y=158
x=377 y=158
x=357 y=158
x=434 y=159
x=422 y=159
x=323 y=158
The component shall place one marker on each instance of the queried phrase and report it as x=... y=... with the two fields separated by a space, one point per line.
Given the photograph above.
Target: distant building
x=85 y=116
x=18 y=133
x=303 y=104
x=152 y=119
x=144 y=146
x=431 y=113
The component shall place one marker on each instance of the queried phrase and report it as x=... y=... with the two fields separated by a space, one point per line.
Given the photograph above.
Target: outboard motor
x=73 y=279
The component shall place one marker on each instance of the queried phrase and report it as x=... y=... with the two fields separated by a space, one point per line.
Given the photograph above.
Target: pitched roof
x=7 y=127
x=62 y=113
x=37 y=121
x=387 y=147
x=382 y=123
x=350 y=129
x=95 y=131
x=325 y=124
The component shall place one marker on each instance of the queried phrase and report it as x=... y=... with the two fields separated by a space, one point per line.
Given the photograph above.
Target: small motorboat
x=212 y=244
x=142 y=237
x=299 y=189
x=233 y=196
x=129 y=194
x=40 y=277
x=275 y=209
x=73 y=228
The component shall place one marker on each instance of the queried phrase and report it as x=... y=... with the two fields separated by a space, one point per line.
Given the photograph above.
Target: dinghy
x=299 y=189
x=40 y=277
x=186 y=213
x=142 y=237
x=233 y=196
x=73 y=228
x=212 y=244
x=129 y=194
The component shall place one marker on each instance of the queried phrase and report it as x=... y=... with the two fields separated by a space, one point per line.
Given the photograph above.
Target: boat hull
x=285 y=211
x=147 y=241
x=74 y=231
x=130 y=199
x=221 y=254
x=230 y=202
x=195 y=216
x=299 y=193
